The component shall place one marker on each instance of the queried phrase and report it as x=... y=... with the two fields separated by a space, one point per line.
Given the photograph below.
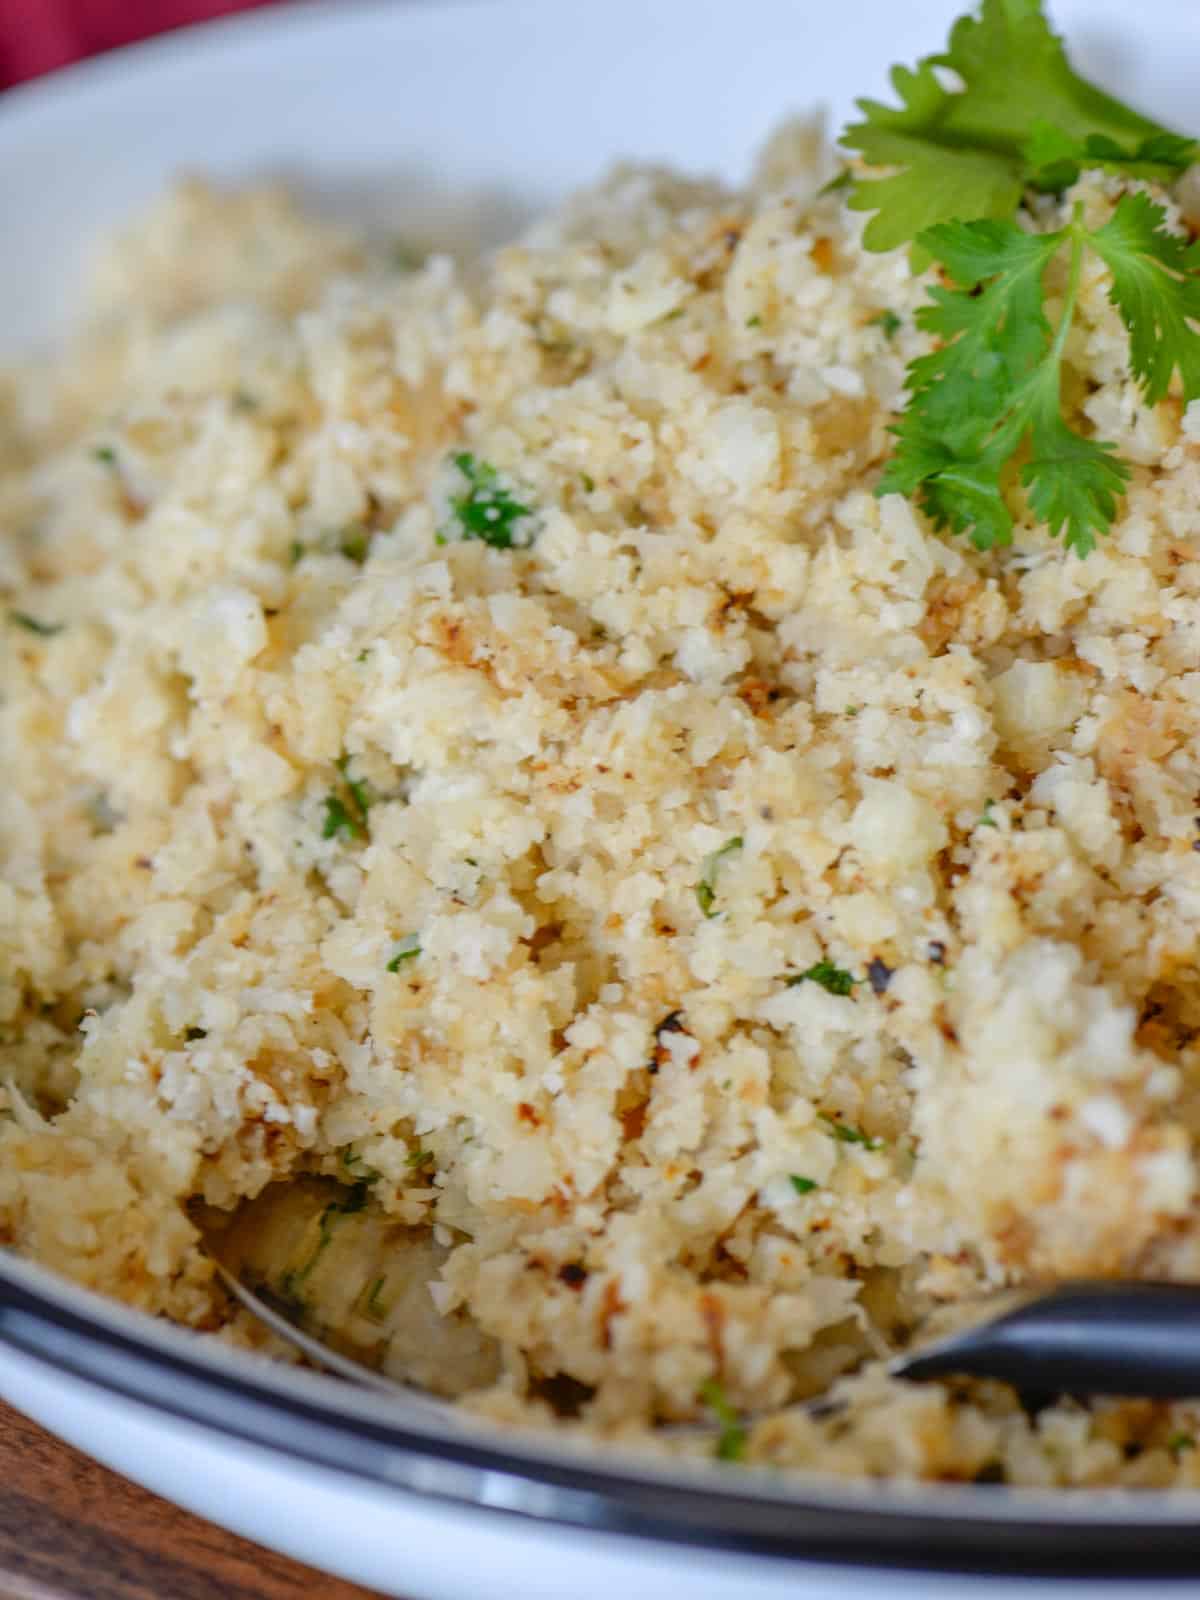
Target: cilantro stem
x=1074 y=276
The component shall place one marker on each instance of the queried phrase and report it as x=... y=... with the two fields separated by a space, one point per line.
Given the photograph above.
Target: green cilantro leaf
x=998 y=113
x=834 y=980
x=1156 y=289
x=993 y=387
x=486 y=510
x=841 y=180
x=888 y=321
x=803 y=1185
x=706 y=888
x=1054 y=159
x=731 y=1440
x=372 y=1305
x=965 y=153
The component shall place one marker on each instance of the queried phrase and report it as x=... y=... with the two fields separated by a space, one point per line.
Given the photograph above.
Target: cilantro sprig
x=1023 y=118
x=993 y=388
x=985 y=409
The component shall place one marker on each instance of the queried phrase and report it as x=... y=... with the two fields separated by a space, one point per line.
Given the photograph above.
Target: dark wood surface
x=70 y=1530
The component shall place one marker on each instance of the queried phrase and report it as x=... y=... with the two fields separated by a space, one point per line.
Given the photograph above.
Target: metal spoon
x=349 y=1287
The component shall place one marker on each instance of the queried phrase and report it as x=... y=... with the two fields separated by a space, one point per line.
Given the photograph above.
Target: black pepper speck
x=879 y=975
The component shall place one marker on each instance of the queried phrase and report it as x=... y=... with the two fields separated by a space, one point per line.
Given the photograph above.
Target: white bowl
x=486 y=112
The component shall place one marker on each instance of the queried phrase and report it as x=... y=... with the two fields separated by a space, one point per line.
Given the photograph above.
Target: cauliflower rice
x=333 y=837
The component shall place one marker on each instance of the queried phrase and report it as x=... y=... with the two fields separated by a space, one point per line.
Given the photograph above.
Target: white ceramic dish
x=471 y=116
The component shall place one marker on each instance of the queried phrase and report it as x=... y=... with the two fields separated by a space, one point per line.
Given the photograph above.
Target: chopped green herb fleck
x=295 y=553
x=888 y=323
x=1179 y=1442
x=371 y=1305
x=419 y=1158
x=588 y=482
x=340 y=820
x=195 y=1033
x=986 y=819
x=404 y=258
x=672 y=316
x=105 y=455
x=847 y=1133
x=244 y=402
x=359 y=792
x=487 y=510
x=346 y=813
x=835 y=980
x=354 y=1164
x=754 y=322
x=355 y=543
x=803 y=1185
x=355 y=1200
x=404 y=951
x=731 y=1441
x=44 y=630
x=706 y=889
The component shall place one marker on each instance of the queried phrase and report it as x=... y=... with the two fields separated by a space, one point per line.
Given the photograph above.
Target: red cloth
x=38 y=35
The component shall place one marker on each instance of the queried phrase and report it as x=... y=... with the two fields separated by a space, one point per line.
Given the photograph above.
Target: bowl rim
x=421 y=1447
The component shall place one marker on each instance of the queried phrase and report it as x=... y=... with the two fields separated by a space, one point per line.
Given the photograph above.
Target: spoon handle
x=1081 y=1338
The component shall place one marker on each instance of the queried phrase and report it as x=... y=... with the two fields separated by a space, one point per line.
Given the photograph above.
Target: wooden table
x=70 y=1530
